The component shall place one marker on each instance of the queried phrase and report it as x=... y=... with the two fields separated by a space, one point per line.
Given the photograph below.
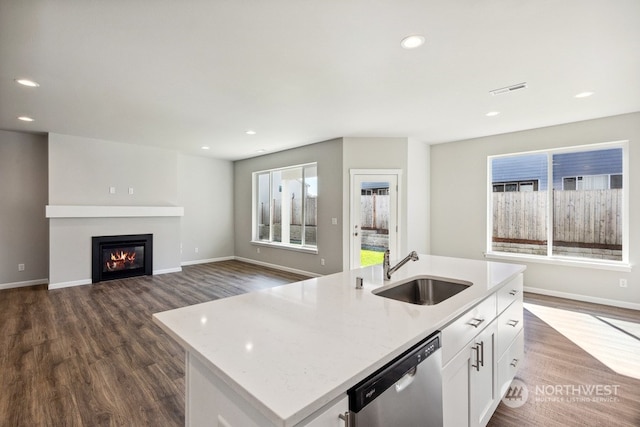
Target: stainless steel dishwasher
x=405 y=393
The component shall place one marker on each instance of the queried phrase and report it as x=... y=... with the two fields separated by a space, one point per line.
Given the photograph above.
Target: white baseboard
x=206 y=261
x=583 y=298
x=278 y=267
x=167 y=270
x=24 y=284
x=69 y=284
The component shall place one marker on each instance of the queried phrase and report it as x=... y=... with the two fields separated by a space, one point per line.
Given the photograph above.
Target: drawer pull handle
x=513 y=292
x=513 y=323
x=348 y=418
x=475 y=322
x=514 y=363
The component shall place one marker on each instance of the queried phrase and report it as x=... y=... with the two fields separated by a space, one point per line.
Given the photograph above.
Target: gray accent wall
x=205 y=189
x=328 y=155
x=459 y=203
x=81 y=172
x=23 y=196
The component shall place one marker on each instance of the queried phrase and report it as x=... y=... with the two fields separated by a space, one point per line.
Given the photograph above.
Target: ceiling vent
x=508 y=89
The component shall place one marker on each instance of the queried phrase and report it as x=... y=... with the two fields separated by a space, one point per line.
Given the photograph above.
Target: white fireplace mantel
x=81 y=211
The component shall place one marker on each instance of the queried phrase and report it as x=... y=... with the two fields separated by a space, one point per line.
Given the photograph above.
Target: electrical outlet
x=20 y=267
x=258 y=250
x=112 y=190
x=196 y=249
x=334 y=221
x=623 y=283
x=321 y=261
x=130 y=190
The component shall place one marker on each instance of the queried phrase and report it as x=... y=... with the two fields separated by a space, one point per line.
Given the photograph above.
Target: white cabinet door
x=482 y=378
x=455 y=390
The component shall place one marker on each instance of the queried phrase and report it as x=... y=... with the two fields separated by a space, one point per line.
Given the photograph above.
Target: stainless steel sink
x=424 y=290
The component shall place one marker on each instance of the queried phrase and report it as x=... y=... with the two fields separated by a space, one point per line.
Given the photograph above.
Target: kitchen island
x=283 y=356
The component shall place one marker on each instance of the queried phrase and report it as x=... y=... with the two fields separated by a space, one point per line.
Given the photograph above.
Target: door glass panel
x=374 y=221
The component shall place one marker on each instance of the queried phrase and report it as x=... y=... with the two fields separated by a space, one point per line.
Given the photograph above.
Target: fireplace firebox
x=117 y=257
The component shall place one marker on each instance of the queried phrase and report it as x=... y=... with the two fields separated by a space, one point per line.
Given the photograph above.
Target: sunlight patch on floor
x=615 y=343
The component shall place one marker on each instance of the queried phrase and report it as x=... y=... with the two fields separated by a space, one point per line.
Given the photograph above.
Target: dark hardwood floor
x=91 y=355
x=567 y=385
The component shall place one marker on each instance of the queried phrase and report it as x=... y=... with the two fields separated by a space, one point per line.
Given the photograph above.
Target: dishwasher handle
x=348 y=418
x=406 y=380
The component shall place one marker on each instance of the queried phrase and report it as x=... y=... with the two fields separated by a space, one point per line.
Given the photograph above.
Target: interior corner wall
x=459 y=203
x=376 y=153
x=81 y=172
x=205 y=190
x=328 y=155
x=418 y=195
x=23 y=196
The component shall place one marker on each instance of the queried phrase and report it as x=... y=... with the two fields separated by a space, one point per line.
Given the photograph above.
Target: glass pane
x=587 y=221
x=263 y=208
x=520 y=217
x=276 y=203
x=374 y=222
x=310 y=205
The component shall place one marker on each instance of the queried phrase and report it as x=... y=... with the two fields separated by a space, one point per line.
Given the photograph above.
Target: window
x=559 y=204
x=285 y=206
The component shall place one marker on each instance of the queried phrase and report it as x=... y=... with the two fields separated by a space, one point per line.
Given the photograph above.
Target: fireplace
x=117 y=257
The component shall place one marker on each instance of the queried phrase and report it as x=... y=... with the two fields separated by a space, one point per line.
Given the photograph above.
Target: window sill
x=288 y=247
x=564 y=261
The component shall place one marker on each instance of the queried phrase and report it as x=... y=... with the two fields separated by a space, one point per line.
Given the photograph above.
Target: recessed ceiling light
x=27 y=82
x=584 y=94
x=204 y=147
x=250 y=132
x=412 y=42
x=492 y=113
x=25 y=118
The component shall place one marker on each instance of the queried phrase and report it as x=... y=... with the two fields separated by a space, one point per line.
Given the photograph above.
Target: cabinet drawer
x=459 y=332
x=509 y=364
x=510 y=292
x=509 y=325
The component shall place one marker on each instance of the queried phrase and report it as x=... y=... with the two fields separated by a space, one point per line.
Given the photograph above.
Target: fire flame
x=120 y=260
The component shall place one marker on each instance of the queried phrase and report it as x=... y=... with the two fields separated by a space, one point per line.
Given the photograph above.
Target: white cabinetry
x=212 y=403
x=484 y=347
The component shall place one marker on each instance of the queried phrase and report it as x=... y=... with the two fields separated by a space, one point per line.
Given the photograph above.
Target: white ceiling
x=183 y=74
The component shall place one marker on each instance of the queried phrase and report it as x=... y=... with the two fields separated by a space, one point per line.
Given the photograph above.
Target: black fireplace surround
x=117 y=257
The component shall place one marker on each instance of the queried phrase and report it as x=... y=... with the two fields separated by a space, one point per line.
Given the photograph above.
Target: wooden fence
x=580 y=216
x=311 y=204
x=374 y=210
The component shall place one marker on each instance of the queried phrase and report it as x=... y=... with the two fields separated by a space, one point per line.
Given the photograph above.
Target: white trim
x=207 y=261
x=568 y=262
x=288 y=247
x=69 y=284
x=24 y=283
x=584 y=298
x=167 y=270
x=278 y=267
x=77 y=211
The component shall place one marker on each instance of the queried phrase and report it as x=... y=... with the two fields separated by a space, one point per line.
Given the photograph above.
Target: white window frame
x=303 y=247
x=622 y=265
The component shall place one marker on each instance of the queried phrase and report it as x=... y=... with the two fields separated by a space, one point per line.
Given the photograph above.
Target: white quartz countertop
x=292 y=349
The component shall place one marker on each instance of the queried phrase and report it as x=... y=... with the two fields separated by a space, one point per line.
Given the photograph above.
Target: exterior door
x=374 y=216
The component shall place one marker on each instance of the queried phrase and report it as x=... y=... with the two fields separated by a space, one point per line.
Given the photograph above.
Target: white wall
x=459 y=204
x=205 y=189
x=418 y=195
x=23 y=195
x=81 y=170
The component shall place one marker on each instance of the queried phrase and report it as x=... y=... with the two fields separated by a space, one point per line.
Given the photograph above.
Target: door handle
x=514 y=363
x=476 y=348
x=355 y=234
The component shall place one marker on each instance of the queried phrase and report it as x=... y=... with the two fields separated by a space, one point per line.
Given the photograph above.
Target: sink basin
x=424 y=290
